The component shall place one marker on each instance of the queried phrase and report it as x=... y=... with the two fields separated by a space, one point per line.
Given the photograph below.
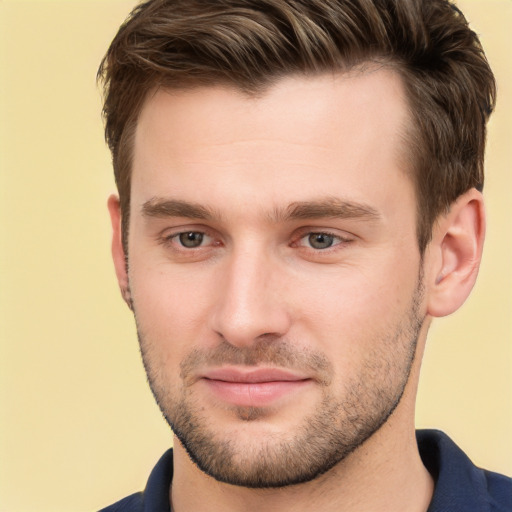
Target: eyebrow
x=162 y=207
x=334 y=208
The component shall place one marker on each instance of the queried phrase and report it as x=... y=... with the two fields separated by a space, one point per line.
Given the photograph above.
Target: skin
x=256 y=177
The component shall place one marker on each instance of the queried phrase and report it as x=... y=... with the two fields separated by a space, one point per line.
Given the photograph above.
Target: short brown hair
x=249 y=44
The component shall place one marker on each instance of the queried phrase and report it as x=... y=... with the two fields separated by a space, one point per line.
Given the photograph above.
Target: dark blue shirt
x=460 y=485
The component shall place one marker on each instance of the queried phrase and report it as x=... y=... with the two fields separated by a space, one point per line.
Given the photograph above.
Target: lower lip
x=254 y=394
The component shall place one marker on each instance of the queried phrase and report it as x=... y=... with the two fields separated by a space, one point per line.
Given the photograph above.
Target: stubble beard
x=340 y=424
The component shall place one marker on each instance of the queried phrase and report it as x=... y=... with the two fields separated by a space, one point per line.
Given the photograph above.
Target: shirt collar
x=459 y=485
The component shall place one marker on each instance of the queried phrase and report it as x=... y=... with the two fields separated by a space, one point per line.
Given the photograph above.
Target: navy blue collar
x=460 y=486
x=156 y=494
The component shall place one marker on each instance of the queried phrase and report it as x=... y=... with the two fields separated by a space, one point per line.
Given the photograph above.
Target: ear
x=454 y=254
x=118 y=254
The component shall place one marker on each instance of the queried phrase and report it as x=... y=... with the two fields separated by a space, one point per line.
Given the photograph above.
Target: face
x=274 y=271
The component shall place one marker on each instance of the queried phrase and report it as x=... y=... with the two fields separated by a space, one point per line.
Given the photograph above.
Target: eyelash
x=173 y=239
x=338 y=240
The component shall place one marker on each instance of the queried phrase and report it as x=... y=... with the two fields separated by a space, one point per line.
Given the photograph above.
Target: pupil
x=320 y=240
x=191 y=239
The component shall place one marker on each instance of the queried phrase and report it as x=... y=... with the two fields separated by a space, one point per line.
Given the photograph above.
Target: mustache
x=274 y=353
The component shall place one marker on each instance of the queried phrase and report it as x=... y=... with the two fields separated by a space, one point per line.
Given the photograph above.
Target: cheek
x=354 y=294
x=170 y=309
x=351 y=313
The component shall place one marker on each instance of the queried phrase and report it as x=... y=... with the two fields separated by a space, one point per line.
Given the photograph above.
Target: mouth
x=255 y=387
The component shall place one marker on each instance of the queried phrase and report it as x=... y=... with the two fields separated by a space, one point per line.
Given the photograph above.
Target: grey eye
x=320 y=240
x=191 y=239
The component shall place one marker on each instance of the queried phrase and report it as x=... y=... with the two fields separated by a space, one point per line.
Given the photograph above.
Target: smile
x=254 y=388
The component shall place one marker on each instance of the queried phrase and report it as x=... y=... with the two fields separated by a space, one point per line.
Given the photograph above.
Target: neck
x=384 y=474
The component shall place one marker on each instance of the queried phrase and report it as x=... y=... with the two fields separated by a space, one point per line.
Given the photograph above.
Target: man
x=299 y=195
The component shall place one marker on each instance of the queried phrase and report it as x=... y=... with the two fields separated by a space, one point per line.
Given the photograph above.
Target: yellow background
x=78 y=426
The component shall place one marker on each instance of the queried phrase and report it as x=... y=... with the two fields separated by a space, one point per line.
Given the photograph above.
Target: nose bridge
x=249 y=300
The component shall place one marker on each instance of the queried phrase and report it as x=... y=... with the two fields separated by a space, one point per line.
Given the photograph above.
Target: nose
x=250 y=304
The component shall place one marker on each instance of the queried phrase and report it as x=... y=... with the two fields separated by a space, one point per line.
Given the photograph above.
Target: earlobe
x=454 y=254
x=118 y=254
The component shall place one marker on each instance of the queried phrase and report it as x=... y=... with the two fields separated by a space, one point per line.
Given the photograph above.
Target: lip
x=257 y=387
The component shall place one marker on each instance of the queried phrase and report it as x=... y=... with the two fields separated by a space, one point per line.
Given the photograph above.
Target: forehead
x=302 y=135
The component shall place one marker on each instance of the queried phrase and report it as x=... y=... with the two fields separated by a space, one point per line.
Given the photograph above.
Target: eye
x=187 y=240
x=191 y=239
x=189 y=244
x=321 y=240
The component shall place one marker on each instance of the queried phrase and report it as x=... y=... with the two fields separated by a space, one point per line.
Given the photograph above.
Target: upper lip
x=252 y=375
